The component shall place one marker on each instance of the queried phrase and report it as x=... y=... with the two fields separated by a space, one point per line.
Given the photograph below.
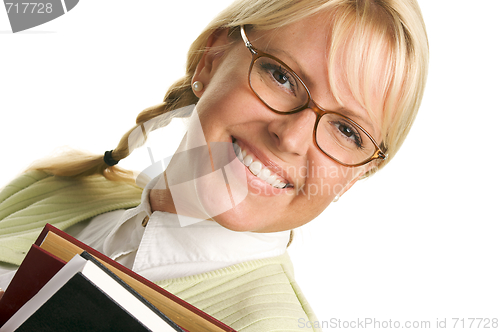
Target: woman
x=310 y=96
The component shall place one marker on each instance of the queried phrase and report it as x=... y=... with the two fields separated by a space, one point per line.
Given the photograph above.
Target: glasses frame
x=310 y=103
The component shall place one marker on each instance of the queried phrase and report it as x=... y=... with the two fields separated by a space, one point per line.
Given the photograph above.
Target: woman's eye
x=280 y=77
x=349 y=133
x=284 y=79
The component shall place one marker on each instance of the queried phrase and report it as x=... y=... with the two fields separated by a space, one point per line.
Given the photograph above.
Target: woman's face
x=229 y=111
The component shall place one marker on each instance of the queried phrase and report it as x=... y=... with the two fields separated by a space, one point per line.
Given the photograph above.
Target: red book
x=36 y=270
x=190 y=318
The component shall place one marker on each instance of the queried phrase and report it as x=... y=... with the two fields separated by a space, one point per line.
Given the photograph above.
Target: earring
x=336 y=199
x=197 y=86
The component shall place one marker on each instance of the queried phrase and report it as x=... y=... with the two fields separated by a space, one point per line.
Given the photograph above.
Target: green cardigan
x=259 y=295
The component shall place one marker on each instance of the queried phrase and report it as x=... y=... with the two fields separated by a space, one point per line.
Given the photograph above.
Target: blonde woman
x=295 y=101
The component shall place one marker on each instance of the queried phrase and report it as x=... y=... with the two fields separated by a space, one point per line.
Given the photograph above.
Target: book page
x=124 y=298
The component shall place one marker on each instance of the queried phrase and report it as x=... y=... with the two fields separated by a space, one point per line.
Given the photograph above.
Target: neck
x=160 y=198
x=161 y=201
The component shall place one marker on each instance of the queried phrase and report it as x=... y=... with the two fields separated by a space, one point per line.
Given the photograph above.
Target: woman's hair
x=381 y=45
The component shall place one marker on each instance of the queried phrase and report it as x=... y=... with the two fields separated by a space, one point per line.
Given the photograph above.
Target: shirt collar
x=167 y=248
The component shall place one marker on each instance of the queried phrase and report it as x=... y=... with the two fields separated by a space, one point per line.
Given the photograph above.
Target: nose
x=293 y=133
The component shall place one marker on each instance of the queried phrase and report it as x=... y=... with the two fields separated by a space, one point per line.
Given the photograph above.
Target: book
x=36 y=270
x=85 y=296
x=189 y=318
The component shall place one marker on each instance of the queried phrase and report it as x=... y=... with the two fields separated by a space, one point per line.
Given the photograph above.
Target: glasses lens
x=343 y=139
x=276 y=85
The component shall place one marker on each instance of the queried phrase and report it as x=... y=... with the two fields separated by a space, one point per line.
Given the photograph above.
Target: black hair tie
x=108 y=159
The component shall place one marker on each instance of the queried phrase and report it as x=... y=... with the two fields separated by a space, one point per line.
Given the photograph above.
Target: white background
x=418 y=242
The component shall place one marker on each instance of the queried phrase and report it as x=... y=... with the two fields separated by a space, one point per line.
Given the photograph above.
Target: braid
x=179 y=95
x=76 y=163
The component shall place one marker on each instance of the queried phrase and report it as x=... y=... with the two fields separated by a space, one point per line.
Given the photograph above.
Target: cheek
x=224 y=102
x=228 y=80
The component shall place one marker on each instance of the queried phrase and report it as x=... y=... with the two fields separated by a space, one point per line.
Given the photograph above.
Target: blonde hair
x=364 y=33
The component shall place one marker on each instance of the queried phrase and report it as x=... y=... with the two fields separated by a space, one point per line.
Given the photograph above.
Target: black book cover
x=79 y=306
x=89 y=257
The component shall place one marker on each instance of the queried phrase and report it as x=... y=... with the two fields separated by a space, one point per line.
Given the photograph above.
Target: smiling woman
x=294 y=103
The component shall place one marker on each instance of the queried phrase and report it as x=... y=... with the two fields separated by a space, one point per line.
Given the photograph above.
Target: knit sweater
x=259 y=295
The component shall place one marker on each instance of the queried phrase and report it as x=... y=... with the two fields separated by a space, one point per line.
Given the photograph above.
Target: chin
x=238 y=221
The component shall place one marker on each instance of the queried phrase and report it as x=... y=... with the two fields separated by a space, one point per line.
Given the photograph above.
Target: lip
x=266 y=162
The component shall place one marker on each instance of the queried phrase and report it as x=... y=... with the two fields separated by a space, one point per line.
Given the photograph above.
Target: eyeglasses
x=284 y=92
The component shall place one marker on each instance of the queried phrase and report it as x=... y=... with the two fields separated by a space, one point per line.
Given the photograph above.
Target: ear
x=210 y=59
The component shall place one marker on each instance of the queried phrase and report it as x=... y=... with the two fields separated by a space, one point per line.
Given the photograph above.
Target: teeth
x=257 y=168
x=238 y=152
x=237 y=149
x=279 y=184
x=240 y=157
x=247 y=160
x=264 y=174
x=271 y=179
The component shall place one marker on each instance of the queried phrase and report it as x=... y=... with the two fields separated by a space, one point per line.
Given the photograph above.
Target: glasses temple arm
x=246 y=41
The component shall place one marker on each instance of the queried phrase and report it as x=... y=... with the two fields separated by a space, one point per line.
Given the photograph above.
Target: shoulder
x=260 y=295
x=40 y=184
x=37 y=198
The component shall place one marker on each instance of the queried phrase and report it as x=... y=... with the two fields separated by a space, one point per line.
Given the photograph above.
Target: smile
x=256 y=167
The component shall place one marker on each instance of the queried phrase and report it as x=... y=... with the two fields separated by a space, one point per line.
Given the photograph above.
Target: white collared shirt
x=164 y=249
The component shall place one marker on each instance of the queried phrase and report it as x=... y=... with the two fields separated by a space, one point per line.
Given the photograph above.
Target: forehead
x=303 y=42
x=306 y=47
